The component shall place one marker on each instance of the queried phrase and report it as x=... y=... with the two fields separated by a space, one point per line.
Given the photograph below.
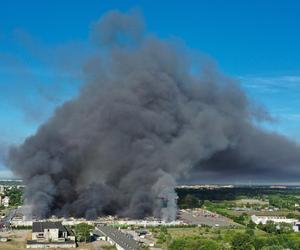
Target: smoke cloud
x=144 y=119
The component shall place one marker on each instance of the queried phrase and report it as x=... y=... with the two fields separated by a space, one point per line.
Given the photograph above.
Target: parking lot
x=204 y=217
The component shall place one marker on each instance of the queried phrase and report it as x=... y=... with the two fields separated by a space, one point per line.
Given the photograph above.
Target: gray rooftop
x=119 y=238
x=40 y=226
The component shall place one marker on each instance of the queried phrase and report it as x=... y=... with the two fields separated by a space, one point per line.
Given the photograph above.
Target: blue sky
x=256 y=42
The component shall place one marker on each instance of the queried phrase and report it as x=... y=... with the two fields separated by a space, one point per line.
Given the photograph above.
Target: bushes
x=240 y=219
x=242 y=241
x=189 y=243
x=248 y=241
x=233 y=239
x=163 y=236
x=251 y=225
x=190 y=201
x=271 y=227
x=82 y=231
x=15 y=196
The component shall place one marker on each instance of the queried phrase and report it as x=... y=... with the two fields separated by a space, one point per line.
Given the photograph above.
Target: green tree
x=241 y=219
x=190 y=201
x=285 y=228
x=163 y=235
x=82 y=232
x=259 y=243
x=270 y=227
x=177 y=244
x=209 y=245
x=242 y=241
x=15 y=196
x=251 y=225
x=249 y=232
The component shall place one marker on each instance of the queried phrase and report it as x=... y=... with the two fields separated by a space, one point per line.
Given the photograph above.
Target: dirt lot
x=18 y=238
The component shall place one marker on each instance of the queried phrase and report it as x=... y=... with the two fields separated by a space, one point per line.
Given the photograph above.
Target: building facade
x=276 y=219
x=5 y=201
x=49 y=234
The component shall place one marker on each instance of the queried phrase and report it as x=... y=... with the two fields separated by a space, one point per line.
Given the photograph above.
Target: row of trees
x=235 y=193
x=189 y=201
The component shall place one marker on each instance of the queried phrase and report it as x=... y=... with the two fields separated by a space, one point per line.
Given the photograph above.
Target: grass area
x=94 y=246
x=208 y=233
x=184 y=232
x=109 y=248
x=222 y=236
x=295 y=236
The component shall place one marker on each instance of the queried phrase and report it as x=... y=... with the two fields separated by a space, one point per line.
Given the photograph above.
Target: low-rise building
x=51 y=234
x=276 y=219
x=116 y=237
x=5 y=201
x=296 y=227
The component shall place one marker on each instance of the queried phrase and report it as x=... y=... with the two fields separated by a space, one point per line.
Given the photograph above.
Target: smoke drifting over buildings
x=144 y=119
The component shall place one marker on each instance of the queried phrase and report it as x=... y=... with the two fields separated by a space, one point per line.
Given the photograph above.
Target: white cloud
x=271 y=83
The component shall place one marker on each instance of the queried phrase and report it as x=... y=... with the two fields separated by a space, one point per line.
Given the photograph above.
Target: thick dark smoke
x=145 y=119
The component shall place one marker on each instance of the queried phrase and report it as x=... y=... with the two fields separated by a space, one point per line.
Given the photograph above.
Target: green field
x=208 y=233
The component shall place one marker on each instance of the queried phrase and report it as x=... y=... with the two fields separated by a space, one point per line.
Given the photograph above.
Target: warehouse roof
x=119 y=238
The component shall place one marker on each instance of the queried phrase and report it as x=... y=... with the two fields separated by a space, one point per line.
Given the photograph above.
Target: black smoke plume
x=144 y=119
